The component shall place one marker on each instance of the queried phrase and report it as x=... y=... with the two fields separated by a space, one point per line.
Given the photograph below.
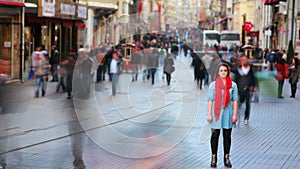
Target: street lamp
x=243 y=31
x=159 y=14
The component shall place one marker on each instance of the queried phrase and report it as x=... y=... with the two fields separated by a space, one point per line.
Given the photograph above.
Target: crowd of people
x=229 y=74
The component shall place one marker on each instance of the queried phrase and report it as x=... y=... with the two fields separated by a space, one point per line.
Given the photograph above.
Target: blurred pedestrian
x=41 y=68
x=115 y=70
x=246 y=81
x=280 y=70
x=214 y=63
x=61 y=83
x=153 y=63
x=199 y=70
x=206 y=59
x=108 y=58
x=136 y=61
x=294 y=75
x=169 y=67
x=162 y=54
x=54 y=61
x=101 y=65
x=222 y=112
x=83 y=74
x=69 y=65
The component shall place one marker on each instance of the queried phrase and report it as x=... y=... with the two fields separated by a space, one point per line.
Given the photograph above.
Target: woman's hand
x=209 y=118
x=234 y=118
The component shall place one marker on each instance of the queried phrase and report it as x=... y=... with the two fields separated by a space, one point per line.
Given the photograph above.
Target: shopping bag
x=30 y=74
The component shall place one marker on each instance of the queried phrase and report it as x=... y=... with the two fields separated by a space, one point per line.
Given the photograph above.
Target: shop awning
x=80 y=24
x=272 y=2
x=253 y=34
x=102 y=5
x=11 y=3
x=33 y=19
x=30 y=5
x=222 y=20
x=67 y=23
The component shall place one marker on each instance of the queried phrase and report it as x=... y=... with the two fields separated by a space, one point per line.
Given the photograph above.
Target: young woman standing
x=222 y=112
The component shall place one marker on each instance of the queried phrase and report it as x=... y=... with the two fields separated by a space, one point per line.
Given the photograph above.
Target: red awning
x=67 y=23
x=272 y=2
x=55 y=20
x=80 y=24
x=10 y=3
x=32 y=19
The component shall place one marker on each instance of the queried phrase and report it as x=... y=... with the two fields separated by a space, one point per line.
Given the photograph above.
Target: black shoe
x=43 y=93
x=213 y=163
x=227 y=162
x=292 y=96
x=280 y=97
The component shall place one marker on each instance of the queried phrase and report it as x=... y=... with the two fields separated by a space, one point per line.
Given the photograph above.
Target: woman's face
x=223 y=72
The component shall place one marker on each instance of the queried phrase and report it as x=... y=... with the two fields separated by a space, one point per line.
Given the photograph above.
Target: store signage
x=58 y=9
x=82 y=12
x=7 y=44
x=48 y=8
x=248 y=26
x=66 y=9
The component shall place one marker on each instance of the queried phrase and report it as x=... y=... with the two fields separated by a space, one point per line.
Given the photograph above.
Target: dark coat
x=244 y=81
x=199 y=68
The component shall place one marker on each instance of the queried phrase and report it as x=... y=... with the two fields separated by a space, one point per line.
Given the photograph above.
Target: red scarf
x=219 y=86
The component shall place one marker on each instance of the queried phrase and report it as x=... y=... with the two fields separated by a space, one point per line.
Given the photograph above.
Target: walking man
x=246 y=81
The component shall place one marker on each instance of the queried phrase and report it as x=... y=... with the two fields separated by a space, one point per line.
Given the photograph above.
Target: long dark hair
x=296 y=61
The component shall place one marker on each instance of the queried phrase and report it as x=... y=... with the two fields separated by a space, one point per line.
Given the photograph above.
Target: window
x=125 y=8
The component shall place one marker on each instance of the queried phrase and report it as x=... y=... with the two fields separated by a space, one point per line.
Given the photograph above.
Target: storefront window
x=45 y=36
x=57 y=36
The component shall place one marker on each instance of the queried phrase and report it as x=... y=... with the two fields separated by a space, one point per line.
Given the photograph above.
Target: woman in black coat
x=199 y=70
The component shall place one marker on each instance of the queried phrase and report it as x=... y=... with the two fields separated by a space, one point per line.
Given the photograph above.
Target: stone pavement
x=44 y=133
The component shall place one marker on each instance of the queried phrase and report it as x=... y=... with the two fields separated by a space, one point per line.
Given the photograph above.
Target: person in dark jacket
x=246 y=81
x=54 y=61
x=108 y=58
x=294 y=70
x=199 y=70
x=169 y=67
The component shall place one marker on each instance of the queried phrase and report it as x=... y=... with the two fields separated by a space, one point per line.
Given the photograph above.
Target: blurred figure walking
x=294 y=75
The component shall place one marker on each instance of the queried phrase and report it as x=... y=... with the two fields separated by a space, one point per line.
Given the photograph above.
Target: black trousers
x=244 y=96
x=293 y=89
x=168 y=75
x=279 y=89
x=214 y=140
x=153 y=71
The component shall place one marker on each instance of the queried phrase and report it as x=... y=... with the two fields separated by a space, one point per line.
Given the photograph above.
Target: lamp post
x=243 y=31
x=159 y=14
x=293 y=18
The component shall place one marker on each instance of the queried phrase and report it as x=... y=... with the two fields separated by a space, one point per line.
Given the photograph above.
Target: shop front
x=10 y=39
x=50 y=23
x=64 y=22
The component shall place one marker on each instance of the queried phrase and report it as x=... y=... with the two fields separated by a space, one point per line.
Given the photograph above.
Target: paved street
x=143 y=126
